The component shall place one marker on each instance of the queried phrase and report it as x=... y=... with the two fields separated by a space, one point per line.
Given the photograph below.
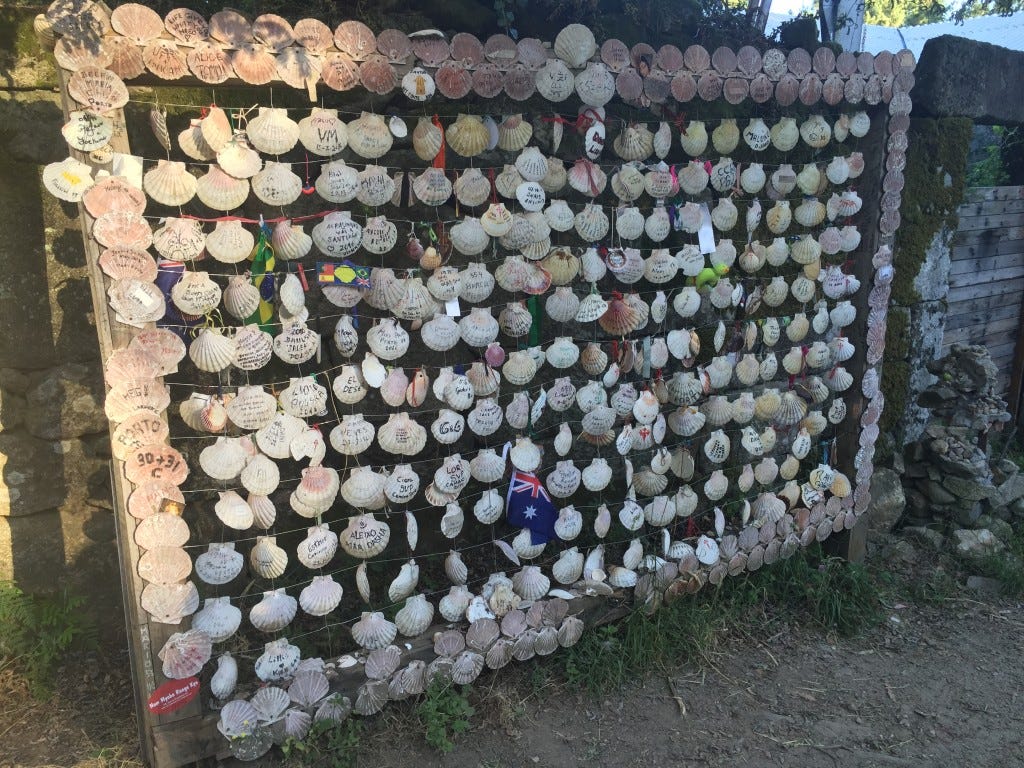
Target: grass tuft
x=444 y=713
x=1007 y=567
x=329 y=744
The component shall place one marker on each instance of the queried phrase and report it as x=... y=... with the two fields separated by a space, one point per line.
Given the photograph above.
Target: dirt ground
x=932 y=685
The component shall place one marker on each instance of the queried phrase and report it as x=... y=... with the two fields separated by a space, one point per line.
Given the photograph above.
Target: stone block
x=12 y=411
x=37 y=475
x=935 y=493
x=887 y=500
x=970 y=490
x=975 y=545
x=32 y=550
x=1007 y=493
x=66 y=402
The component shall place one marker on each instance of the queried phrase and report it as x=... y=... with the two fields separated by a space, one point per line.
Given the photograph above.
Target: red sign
x=173 y=695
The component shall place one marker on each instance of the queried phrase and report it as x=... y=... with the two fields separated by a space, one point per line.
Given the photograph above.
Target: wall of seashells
x=655 y=281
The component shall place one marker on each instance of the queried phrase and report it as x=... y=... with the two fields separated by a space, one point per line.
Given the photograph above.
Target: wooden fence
x=986 y=280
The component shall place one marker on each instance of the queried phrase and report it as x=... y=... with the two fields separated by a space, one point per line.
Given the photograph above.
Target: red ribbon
x=439 y=157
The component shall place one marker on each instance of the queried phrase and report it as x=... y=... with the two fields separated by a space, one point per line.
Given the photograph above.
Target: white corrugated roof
x=1005 y=31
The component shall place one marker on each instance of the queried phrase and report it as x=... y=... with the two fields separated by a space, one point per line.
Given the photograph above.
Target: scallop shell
x=369 y=136
x=98 y=90
x=274 y=612
x=468 y=136
x=595 y=86
x=575 y=44
x=554 y=81
x=373 y=631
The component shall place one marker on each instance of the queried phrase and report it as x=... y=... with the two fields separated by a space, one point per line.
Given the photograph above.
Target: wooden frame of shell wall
x=426 y=355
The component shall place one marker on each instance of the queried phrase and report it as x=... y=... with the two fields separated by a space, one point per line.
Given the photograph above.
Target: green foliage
x=903 y=13
x=989 y=171
x=799 y=32
x=329 y=744
x=444 y=713
x=36 y=632
x=933 y=588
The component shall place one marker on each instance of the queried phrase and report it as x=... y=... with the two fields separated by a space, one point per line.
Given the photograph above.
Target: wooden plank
x=956 y=320
x=986 y=276
x=852 y=544
x=985 y=236
x=981 y=194
x=1003 y=332
x=968 y=223
x=1001 y=349
x=980 y=306
x=997 y=288
x=114 y=335
x=974 y=265
x=986 y=250
x=990 y=208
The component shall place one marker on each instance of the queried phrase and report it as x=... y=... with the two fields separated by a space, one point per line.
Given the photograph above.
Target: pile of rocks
x=949 y=478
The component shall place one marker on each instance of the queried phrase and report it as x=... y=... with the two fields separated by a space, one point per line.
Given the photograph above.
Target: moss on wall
x=935 y=177
x=896 y=378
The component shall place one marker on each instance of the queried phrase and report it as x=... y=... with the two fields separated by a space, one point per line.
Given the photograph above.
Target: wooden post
x=145 y=638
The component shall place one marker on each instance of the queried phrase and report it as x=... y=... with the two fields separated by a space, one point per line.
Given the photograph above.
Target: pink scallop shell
x=520 y=82
x=187 y=25
x=121 y=263
x=156 y=463
x=230 y=27
x=254 y=64
x=298 y=67
x=657 y=87
x=313 y=35
x=531 y=53
x=501 y=51
x=684 y=87
x=340 y=72
x=467 y=50
x=629 y=85
x=488 y=81
x=273 y=31
x=669 y=59
x=453 y=80
x=615 y=55
x=165 y=60
x=122 y=229
x=147 y=498
x=210 y=63
x=136 y=22
x=126 y=59
x=113 y=193
x=377 y=75
x=642 y=54
x=355 y=39
x=431 y=51
x=394 y=45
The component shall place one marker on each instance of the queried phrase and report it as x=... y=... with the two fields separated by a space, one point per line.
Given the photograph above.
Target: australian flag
x=529 y=506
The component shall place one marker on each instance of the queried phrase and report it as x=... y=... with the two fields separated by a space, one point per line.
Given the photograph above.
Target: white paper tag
x=129 y=166
x=706 y=234
x=144 y=298
x=451 y=308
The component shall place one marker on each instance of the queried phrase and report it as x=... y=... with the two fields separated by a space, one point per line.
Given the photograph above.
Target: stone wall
x=56 y=521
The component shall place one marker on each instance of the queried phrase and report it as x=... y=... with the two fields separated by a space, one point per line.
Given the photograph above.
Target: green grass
x=838 y=596
x=444 y=713
x=1007 y=567
x=37 y=631
x=329 y=744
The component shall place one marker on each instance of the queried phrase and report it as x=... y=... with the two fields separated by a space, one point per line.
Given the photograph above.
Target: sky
x=789 y=6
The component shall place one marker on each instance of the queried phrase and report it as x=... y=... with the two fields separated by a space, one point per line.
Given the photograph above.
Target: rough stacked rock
x=949 y=478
